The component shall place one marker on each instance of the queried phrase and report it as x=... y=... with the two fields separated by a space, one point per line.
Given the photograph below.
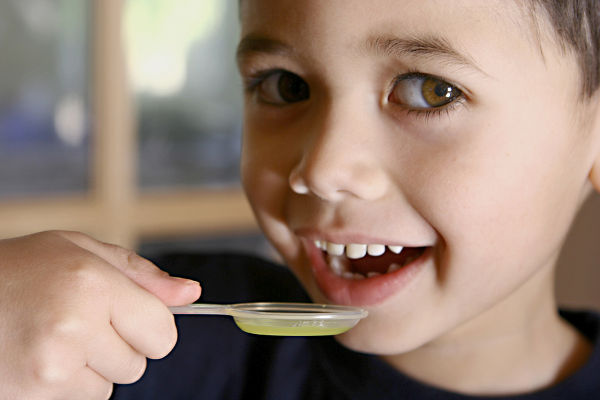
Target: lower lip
x=362 y=292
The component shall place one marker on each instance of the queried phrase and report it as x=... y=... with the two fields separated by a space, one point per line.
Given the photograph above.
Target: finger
x=143 y=321
x=171 y=290
x=87 y=385
x=114 y=359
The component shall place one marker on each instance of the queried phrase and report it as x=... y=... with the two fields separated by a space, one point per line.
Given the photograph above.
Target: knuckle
x=141 y=263
x=131 y=259
x=46 y=368
x=122 y=253
x=85 y=274
x=63 y=327
x=124 y=256
x=64 y=234
x=56 y=232
x=52 y=354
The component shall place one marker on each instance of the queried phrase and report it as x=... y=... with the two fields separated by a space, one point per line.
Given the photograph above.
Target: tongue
x=381 y=263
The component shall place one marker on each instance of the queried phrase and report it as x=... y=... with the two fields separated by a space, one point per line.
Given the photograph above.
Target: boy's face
x=448 y=128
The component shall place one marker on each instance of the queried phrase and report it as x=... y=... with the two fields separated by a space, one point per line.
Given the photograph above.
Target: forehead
x=498 y=37
x=334 y=27
x=353 y=19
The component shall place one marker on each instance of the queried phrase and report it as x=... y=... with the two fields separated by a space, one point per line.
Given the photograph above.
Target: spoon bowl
x=283 y=319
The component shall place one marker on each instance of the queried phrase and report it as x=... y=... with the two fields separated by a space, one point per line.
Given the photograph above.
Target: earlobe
x=595 y=175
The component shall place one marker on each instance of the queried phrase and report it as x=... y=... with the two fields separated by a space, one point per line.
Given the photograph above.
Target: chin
x=363 y=341
x=373 y=338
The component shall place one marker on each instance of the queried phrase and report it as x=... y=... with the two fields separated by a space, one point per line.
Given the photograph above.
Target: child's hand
x=77 y=315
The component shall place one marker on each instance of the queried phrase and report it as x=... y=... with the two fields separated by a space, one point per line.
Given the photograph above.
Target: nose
x=340 y=158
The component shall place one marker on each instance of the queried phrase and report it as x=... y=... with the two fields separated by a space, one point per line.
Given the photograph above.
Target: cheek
x=508 y=192
x=270 y=150
x=263 y=161
x=265 y=170
x=263 y=178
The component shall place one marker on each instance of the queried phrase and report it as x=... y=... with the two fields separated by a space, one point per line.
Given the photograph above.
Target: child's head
x=465 y=131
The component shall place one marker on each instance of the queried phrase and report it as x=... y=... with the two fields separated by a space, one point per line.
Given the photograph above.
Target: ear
x=595 y=174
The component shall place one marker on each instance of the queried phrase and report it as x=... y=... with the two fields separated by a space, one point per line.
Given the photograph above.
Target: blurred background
x=122 y=119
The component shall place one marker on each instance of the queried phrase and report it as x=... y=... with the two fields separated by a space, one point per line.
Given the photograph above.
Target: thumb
x=170 y=290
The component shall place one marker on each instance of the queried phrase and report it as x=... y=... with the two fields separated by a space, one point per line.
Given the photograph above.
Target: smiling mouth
x=361 y=261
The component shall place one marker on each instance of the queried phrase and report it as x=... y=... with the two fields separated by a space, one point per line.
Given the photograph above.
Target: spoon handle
x=204 y=309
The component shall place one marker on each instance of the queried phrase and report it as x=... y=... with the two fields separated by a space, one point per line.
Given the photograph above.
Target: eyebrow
x=259 y=44
x=434 y=47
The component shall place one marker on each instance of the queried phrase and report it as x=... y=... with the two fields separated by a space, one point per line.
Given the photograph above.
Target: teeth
x=335 y=249
x=337 y=265
x=356 y=250
x=353 y=275
x=375 y=249
x=340 y=265
x=348 y=275
x=395 y=249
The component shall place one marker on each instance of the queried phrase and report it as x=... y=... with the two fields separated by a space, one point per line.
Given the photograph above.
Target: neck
x=509 y=349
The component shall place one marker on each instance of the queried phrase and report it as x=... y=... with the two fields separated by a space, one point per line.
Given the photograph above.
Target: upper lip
x=348 y=237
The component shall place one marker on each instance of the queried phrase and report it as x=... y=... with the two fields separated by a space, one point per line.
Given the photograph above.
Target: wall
x=578 y=275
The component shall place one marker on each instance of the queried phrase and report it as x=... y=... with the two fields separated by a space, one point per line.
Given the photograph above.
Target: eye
x=281 y=87
x=421 y=92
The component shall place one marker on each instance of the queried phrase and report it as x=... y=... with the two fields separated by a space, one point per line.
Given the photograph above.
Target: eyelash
x=253 y=80
x=439 y=112
x=429 y=113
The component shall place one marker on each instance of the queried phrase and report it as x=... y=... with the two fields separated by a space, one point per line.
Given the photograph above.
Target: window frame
x=115 y=209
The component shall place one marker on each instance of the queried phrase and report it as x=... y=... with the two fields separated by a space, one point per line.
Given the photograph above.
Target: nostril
x=333 y=177
x=301 y=184
x=333 y=187
x=297 y=183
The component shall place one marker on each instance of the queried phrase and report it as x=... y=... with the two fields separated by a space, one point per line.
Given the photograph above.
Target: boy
x=420 y=159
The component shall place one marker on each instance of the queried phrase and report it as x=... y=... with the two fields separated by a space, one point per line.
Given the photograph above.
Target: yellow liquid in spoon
x=289 y=330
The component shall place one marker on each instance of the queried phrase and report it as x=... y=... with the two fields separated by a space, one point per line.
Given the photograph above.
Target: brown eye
x=282 y=87
x=417 y=91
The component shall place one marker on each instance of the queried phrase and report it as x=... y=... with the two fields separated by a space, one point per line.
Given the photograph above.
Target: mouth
x=360 y=261
x=363 y=274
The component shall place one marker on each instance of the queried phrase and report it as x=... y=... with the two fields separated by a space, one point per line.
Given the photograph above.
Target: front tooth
x=318 y=244
x=355 y=250
x=335 y=249
x=375 y=249
x=395 y=249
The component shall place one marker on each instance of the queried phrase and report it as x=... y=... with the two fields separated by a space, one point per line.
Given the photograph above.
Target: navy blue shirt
x=213 y=359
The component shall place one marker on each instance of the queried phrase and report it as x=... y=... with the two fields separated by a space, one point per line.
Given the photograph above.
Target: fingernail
x=185 y=281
